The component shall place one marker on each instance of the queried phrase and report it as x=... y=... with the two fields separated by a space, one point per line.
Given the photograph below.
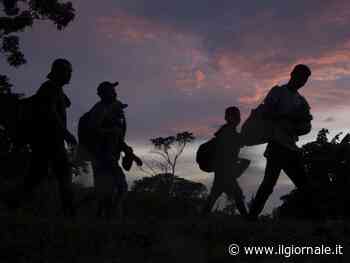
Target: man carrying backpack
x=225 y=163
x=291 y=115
x=102 y=131
x=48 y=133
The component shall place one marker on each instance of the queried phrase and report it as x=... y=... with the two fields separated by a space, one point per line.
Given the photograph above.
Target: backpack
x=17 y=117
x=205 y=155
x=86 y=135
x=9 y=104
x=257 y=129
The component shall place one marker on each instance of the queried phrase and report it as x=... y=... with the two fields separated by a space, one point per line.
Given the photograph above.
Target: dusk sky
x=181 y=63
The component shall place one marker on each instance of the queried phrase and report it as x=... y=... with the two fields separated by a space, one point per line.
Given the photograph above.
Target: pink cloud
x=245 y=75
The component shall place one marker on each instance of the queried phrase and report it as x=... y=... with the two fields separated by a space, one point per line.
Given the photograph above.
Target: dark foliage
x=149 y=197
x=155 y=206
x=5 y=86
x=161 y=183
x=327 y=164
x=21 y=15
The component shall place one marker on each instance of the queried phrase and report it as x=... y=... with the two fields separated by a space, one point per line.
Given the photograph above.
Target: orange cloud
x=331 y=66
x=244 y=76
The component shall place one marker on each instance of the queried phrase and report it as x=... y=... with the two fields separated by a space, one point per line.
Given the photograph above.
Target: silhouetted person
x=226 y=167
x=291 y=111
x=48 y=134
x=108 y=122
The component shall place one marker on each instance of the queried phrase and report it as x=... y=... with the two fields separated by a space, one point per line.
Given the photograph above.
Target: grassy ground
x=27 y=238
x=155 y=230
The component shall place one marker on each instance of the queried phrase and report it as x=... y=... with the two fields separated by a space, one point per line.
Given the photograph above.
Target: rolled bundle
x=257 y=129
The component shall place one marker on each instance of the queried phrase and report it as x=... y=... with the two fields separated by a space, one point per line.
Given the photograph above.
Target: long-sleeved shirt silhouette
x=285 y=103
x=50 y=112
x=228 y=143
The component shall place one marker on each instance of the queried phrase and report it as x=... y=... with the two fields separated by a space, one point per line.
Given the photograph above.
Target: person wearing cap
x=108 y=122
x=48 y=135
x=288 y=109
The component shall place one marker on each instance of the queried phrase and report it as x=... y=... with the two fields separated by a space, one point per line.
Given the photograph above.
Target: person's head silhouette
x=233 y=116
x=61 y=71
x=299 y=76
x=106 y=91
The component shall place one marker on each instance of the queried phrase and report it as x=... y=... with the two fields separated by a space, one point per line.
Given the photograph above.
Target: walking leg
x=272 y=172
x=215 y=192
x=63 y=173
x=235 y=192
x=121 y=192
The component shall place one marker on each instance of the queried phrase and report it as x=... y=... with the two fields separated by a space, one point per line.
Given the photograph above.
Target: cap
x=106 y=85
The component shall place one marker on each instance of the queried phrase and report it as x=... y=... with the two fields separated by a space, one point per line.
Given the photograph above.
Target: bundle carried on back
x=261 y=127
x=257 y=129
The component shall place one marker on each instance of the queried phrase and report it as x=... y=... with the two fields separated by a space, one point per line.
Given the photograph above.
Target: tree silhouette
x=149 y=197
x=5 y=86
x=159 y=184
x=20 y=15
x=167 y=151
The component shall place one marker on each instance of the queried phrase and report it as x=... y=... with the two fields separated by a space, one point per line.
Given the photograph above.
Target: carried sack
x=205 y=155
x=257 y=129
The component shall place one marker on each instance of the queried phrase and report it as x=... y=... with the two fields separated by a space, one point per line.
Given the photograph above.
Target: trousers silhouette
x=278 y=158
x=233 y=192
